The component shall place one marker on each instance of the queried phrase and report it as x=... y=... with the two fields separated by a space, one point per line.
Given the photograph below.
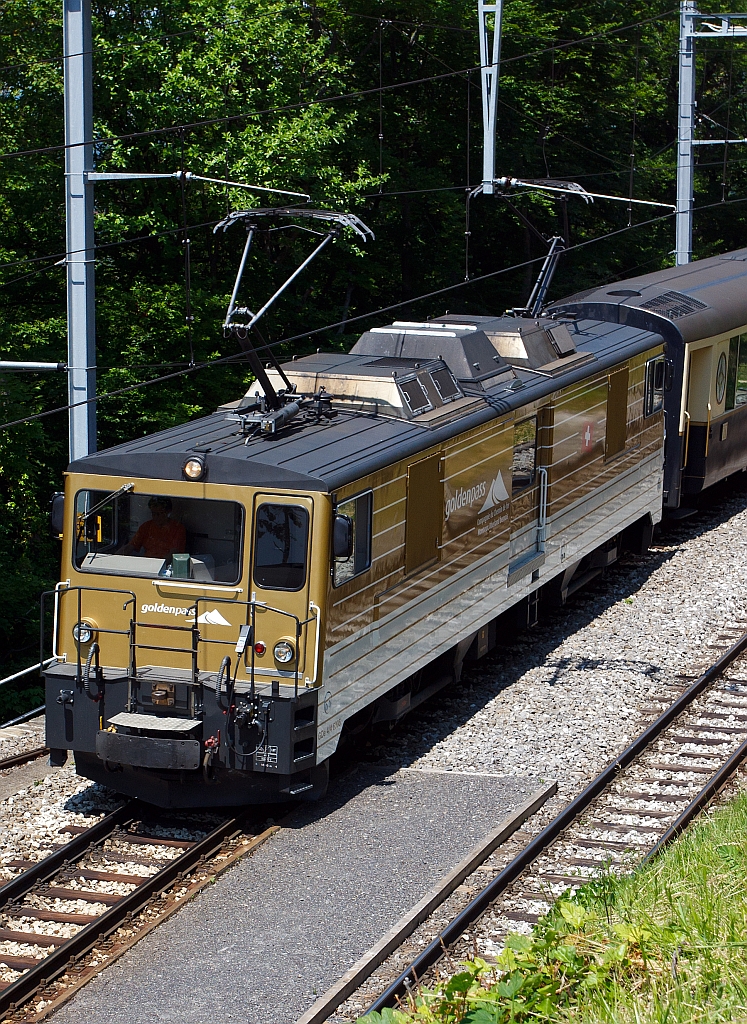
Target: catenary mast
x=81 y=323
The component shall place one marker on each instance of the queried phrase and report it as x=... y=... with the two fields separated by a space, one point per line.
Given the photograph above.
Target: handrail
x=55 y=619
x=166 y=582
x=57 y=592
x=193 y=628
x=317 y=615
x=542 y=516
x=26 y=671
x=252 y=607
x=687 y=439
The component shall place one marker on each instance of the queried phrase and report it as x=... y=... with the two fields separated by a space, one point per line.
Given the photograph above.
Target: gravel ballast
x=572 y=692
x=19 y=739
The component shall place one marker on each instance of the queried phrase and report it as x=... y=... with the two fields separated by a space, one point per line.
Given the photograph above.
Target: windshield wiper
x=115 y=494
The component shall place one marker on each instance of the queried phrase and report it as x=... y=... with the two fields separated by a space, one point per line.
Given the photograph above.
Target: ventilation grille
x=674 y=305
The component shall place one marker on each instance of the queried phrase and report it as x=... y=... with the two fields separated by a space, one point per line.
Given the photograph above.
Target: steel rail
x=435 y=950
x=76 y=847
x=58 y=961
x=704 y=797
x=28 y=755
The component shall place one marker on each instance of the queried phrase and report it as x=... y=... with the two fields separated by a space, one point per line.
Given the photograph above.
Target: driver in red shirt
x=160 y=536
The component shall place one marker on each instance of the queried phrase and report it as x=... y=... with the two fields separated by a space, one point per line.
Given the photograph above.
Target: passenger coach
x=700 y=309
x=330 y=558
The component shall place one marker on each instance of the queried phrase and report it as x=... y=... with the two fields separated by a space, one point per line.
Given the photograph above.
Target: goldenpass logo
x=165 y=609
x=464 y=497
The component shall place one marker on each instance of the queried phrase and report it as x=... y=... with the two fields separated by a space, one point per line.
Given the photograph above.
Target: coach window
x=525 y=454
x=358 y=511
x=740 y=396
x=280 y=545
x=653 y=400
x=732 y=362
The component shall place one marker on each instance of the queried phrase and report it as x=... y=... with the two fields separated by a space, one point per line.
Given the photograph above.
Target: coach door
x=525 y=500
x=280 y=577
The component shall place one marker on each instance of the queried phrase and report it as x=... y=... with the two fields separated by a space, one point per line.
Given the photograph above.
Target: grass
x=664 y=945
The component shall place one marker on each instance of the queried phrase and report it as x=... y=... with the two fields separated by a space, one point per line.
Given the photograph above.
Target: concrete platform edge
x=320 y=1010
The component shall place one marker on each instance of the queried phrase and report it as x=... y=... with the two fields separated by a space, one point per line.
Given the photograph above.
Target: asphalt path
x=280 y=927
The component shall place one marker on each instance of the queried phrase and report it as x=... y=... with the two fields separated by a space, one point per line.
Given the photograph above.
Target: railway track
x=76 y=900
x=21 y=729
x=24 y=758
x=629 y=812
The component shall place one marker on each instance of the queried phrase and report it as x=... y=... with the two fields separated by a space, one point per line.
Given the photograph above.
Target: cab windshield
x=156 y=535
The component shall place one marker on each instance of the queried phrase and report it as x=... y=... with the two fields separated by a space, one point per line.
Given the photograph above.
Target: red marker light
x=260 y=647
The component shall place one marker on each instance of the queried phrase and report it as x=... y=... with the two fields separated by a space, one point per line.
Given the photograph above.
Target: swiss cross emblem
x=587 y=436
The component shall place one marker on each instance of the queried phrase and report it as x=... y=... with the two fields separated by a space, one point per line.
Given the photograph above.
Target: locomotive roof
x=703 y=299
x=328 y=454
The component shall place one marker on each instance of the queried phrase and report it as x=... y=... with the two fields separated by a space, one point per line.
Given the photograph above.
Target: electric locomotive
x=239 y=591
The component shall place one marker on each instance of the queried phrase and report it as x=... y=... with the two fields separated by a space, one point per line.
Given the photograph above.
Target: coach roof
x=702 y=299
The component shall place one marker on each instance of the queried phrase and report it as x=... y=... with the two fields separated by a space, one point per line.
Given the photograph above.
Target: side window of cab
x=358 y=512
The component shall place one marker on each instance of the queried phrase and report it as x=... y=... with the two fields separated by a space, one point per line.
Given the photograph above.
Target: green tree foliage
x=588 y=92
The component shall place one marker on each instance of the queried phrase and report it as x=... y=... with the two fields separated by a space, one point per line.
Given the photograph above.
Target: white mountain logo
x=213 y=618
x=496 y=495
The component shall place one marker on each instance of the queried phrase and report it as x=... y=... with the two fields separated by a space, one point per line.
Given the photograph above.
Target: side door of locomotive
x=280 y=572
x=525 y=495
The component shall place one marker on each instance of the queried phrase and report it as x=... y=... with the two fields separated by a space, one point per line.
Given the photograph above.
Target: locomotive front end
x=187 y=636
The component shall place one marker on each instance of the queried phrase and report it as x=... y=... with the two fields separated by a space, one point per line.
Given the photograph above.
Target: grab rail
x=687 y=440
x=58 y=593
x=317 y=615
x=542 y=516
x=192 y=585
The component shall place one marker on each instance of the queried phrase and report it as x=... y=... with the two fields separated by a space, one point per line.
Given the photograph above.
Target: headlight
x=83 y=632
x=283 y=652
x=194 y=468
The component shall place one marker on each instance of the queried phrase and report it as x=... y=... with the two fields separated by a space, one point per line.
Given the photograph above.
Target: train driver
x=160 y=536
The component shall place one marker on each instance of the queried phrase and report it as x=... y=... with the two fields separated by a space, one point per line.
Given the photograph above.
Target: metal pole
x=490 y=56
x=685 y=133
x=81 y=328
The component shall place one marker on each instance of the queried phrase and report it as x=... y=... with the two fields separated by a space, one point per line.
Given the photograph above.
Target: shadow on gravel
x=482 y=681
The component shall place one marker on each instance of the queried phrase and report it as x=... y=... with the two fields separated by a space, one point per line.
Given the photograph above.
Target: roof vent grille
x=674 y=305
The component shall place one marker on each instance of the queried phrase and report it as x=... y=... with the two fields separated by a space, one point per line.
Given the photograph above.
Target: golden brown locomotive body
x=338 y=569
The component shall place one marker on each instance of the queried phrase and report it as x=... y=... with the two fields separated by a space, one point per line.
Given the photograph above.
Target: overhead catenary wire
x=380 y=90
x=107 y=245
x=240 y=356
x=128 y=46
x=302 y=104
x=132 y=44
x=29 y=260
x=235 y=357
x=522 y=113
x=60 y=256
